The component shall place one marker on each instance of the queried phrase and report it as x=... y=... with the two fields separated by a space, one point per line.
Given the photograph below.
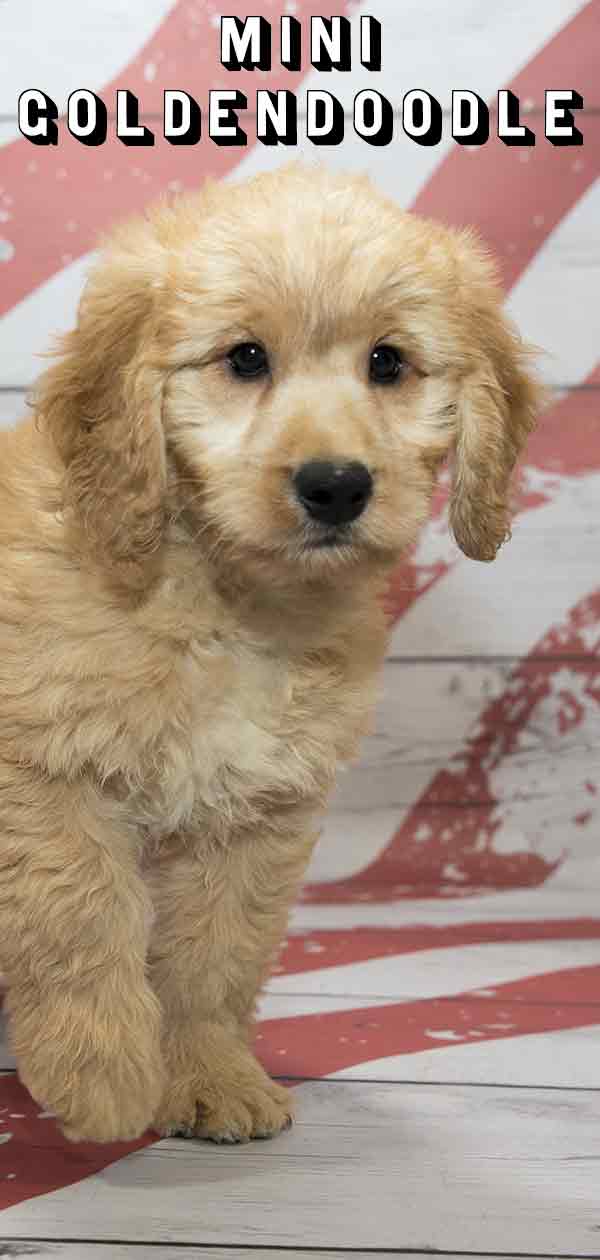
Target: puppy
x=240 y=439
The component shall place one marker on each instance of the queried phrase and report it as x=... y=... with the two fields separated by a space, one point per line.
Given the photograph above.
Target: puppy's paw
x=102 y=1109
x=101 y=1087
x=228 y=1101
x=113 y=1102
x=258 y=1112
x=105 y=1100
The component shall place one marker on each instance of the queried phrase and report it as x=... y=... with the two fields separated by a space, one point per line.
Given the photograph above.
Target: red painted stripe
x=317 y=1045
x=312 y=951
x=37 y=1159
x=516 y=204
x=570 y=56
x=444 y=851
x=567 y=441
x=53 y=189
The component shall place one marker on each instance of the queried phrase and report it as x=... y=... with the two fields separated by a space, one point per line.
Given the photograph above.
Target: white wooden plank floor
x=395 y=1167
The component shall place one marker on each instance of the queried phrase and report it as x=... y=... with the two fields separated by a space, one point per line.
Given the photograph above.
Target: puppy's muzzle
x=333 y=494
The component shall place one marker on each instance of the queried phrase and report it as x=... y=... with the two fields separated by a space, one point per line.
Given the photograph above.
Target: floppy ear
x=497 y=404
x=102 y=402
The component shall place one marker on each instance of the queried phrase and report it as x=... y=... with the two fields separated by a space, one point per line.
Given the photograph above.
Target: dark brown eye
x=385 y=365
x=248 y=360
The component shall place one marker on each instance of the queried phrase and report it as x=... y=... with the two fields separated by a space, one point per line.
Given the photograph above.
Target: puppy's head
x=283 y=365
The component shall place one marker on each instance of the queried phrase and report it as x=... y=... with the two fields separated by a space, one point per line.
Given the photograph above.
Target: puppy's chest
x=245 y=731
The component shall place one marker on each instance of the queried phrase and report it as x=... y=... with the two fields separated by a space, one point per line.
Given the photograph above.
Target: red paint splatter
x=445 y=847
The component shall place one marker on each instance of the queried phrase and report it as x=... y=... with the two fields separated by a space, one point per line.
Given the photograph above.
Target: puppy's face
x=295 y=357
x=304 y=405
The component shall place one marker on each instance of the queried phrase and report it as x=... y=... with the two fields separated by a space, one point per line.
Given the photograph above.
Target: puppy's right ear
x=102 y=406
x=496 y=407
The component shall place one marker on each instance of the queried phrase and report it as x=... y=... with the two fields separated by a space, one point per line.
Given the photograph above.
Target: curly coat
x=181 y=668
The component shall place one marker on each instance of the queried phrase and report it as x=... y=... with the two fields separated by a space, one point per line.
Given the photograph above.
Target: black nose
x=333 y=493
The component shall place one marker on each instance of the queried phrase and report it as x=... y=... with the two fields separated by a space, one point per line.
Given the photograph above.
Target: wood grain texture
x=512 y=1171
x=428 y=710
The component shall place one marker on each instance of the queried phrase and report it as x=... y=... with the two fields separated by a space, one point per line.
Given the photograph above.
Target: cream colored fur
x=180 y=672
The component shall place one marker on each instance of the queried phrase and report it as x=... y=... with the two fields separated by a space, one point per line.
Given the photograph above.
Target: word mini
x=246 y=44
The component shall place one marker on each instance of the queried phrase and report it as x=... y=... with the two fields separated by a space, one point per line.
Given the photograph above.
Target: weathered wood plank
x=565 y=1059
x=506 y=608
x=478 y=1170
x=480 y=969
x=433 y=713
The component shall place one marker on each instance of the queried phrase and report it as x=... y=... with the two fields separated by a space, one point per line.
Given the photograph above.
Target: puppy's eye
x=248 y=359
x=385 y=365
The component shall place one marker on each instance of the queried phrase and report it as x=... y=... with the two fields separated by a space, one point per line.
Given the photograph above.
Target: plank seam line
x=439 y=997
x=366 y=1080
x=376 y=1080
x=292 y=1249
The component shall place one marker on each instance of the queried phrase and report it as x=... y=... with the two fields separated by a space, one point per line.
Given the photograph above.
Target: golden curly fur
x=182 y=666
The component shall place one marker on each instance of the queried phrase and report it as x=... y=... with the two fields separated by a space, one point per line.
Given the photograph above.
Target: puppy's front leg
x=220 y=915
x=75 y=918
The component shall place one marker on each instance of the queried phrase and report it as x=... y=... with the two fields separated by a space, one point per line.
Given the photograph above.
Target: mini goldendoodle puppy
x=239 y=441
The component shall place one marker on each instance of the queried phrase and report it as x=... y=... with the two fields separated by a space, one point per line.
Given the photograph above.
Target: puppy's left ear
x=498 y=401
